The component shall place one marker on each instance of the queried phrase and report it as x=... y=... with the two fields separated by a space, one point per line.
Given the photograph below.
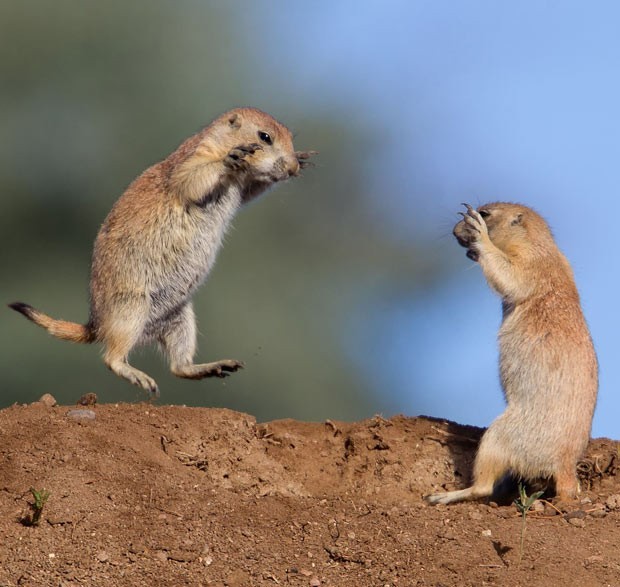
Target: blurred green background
x=93 y=93
x=343 y=291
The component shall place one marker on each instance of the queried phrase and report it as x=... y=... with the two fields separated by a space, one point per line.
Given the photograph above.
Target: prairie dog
x=548 y=366
x=161 y=238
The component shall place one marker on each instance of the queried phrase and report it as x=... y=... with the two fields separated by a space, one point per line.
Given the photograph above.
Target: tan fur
x=58 y=328
x=548 y=366
x=162 y=236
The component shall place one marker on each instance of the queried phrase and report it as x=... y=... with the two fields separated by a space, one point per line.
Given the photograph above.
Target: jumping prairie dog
x=161 y=238
x=548 y=367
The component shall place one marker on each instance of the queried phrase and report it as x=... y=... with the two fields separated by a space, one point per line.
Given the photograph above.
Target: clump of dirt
x=169 y=496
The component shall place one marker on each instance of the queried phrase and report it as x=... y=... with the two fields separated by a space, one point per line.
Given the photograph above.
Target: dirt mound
x=144 y=495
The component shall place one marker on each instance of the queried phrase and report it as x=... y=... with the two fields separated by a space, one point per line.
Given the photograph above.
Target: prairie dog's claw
x=474 y=220
x=235 y=159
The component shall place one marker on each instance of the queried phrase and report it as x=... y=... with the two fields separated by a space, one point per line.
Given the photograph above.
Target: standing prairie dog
x=548 y=366
x=161 y=238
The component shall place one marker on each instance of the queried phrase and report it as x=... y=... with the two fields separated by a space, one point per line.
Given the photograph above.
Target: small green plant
x=524 y=503
x=40 y=499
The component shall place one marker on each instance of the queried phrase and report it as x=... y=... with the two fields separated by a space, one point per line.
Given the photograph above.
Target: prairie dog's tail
x=58 y=328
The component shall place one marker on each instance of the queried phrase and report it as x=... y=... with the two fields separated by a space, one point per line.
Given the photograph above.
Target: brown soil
x=145 y=495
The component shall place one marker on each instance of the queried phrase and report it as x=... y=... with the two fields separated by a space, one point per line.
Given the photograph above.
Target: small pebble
x=48 y=399
x=486 y=533
x=593 y=560
x=550 y=510
x=182 y=556
x=446 y=534
x=613 y=502
x=599 y=511
x=315 y=582
x=577 y=522
x=88 y=399
x=81 y=414
x=103 y=556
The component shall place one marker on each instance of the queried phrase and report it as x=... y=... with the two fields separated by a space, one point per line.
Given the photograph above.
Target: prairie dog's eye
x=484 y=213
x=265 y=137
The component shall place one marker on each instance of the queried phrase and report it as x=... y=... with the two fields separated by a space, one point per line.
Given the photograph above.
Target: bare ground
x=170 y=496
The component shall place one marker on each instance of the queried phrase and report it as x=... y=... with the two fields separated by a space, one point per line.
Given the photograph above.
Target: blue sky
x=471 y=101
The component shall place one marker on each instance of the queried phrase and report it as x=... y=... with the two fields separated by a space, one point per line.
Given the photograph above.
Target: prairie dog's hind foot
x=450 y=496
x=134 y=376
x=220 y=369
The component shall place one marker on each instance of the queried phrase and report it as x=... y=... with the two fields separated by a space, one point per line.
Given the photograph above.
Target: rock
x=182 y=556
x=577 y=522
x=48 y=400
x=593 y=561
x=599 y=511
x=88 y=399
x=613 y=502
x=575 y=514
x=55 y=519
x=446 y=534
x=81 y=414
x=103 y=556
x=550 y=510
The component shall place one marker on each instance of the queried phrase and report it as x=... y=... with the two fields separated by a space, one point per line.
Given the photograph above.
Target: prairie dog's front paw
x=235 y=160
x=472 y=232
x=475 y=221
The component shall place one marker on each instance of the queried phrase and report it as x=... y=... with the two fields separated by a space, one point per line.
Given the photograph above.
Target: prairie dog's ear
x=234 y=121
x=517 y=219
